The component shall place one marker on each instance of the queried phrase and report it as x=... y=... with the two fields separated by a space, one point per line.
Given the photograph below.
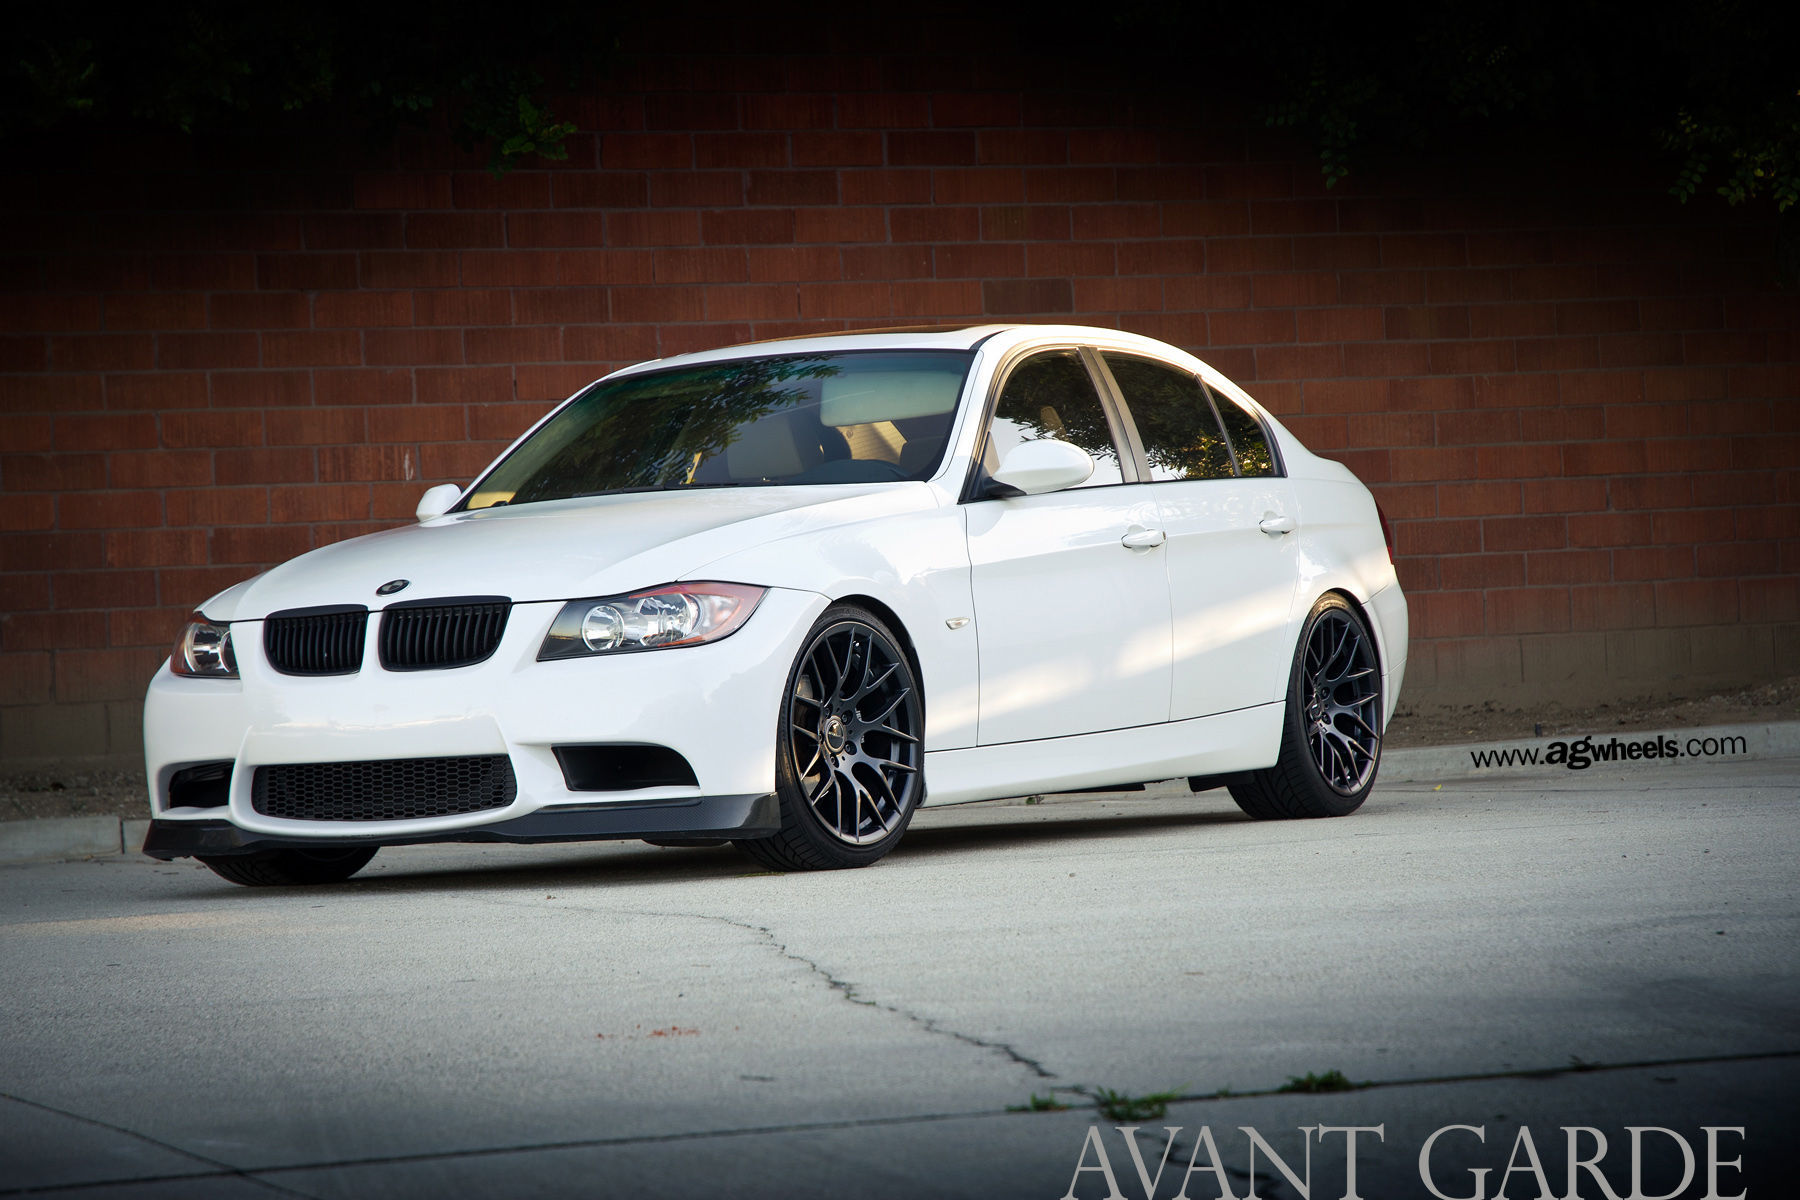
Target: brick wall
x=1575 y=398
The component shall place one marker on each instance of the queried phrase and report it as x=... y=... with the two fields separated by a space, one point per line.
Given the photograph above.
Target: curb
x=1772 y=739
x=55 y=839
x=58 y=839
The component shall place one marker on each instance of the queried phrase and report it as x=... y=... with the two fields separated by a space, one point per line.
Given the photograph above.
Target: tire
x=1331 y=732
x=850 y=733
x=291 y=868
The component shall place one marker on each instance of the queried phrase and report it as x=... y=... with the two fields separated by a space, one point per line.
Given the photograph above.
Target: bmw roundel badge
x=392 y=586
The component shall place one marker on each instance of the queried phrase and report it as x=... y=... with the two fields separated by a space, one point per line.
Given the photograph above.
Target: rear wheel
x=1331 y=733
x=848 y=757
x=291 y=868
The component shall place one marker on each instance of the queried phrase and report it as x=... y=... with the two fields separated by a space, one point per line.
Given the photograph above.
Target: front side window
x=849 y=417
x=1174 y=419
x=1248 y=441
x=1052 y=396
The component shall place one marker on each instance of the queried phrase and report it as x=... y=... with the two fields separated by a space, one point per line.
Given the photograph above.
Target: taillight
x=1387 y=530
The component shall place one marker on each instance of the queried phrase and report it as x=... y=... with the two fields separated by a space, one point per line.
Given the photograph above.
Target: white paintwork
x=1046 y=465
x=437 y=501
x=1117 y=634
x=1073 y=624
x=1237 y=616
x=1215 y=745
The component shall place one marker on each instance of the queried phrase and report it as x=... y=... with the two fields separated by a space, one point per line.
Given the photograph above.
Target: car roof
x=912 y=337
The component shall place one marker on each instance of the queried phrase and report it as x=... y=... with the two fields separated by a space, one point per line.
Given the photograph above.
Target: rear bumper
x=698 y=818
x=1392 y=632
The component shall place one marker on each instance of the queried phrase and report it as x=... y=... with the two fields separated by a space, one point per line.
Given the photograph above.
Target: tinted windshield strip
x=843 y=417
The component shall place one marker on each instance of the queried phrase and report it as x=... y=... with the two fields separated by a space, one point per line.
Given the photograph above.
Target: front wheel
x=291 y=868
x=848 y=748
x=1331 y=732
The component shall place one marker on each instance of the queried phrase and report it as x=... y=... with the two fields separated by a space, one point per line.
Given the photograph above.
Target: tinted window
x=756 y=422
x=1181 y=436
x=1248 y=440
x=1052 y=396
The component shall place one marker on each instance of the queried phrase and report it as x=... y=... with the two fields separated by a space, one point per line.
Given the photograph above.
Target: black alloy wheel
x=1331 y=731
x=1342 y=689
x=849 y=754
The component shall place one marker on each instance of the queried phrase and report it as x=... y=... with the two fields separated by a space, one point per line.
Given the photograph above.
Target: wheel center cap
x=835 y=734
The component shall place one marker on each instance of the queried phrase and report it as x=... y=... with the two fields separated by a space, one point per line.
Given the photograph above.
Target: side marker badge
x=957 y=622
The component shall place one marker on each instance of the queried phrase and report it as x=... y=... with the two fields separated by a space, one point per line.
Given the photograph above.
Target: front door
x=1071 y=590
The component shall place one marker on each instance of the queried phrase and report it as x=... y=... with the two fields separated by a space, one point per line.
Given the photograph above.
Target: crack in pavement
x=843 y=987
x=222 y=1169
x=847 y=990
x=254 y=1173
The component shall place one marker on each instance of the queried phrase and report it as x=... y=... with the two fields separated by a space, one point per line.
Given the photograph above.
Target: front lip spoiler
x=702 y=818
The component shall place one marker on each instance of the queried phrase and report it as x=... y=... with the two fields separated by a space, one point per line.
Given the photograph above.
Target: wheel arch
x=1362 y=611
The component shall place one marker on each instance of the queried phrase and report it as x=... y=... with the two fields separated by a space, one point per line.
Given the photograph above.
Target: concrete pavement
x=1604 y=948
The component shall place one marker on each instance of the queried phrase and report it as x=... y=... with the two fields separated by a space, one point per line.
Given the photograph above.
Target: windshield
x=850 y=417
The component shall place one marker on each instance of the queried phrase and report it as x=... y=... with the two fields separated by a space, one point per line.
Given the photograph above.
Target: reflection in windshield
x=850 y=417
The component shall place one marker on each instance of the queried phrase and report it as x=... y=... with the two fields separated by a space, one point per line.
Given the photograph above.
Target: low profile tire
x=1331 y=732
x=291 y=868
x=848 y=753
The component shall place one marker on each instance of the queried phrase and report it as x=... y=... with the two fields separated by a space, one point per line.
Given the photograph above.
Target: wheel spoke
x=887 y=712
x=843 y=690
x=875 y=685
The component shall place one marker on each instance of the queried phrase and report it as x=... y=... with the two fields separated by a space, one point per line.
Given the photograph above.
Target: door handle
x=1143 y=539
x=1275 y=526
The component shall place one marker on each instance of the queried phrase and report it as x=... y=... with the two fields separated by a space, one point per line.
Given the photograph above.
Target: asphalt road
x=1591 y=949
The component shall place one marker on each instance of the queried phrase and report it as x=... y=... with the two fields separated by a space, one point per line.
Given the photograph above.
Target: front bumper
x=704 y=818
x=716 y=705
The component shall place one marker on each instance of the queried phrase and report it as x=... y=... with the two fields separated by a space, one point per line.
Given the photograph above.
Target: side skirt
x=1222 y=744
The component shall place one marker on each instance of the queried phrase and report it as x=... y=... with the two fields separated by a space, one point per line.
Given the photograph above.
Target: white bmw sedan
x=782 y=594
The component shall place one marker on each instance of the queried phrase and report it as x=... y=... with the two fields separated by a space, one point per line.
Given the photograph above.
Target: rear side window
x=1248 y=440
x=1052 y=396
x=1175 y=421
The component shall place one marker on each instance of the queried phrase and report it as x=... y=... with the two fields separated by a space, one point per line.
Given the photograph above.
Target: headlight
x=204 y=650
x=680 y=614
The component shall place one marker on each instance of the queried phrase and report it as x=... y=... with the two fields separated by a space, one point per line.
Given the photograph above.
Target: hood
x=562 y=549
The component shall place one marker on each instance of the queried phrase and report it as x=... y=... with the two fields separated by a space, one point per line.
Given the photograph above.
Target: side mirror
x=437 y=501
x=1046 y=465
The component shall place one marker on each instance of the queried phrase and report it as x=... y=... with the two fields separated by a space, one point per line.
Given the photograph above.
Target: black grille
x=424 y=634
x=389 y=789
x=316 y=641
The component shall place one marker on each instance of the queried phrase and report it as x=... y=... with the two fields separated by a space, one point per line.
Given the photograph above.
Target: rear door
x=1071 y=595
x=1230 y=517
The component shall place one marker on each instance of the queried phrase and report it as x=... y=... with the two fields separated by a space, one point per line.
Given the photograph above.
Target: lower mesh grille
x=390 y=789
